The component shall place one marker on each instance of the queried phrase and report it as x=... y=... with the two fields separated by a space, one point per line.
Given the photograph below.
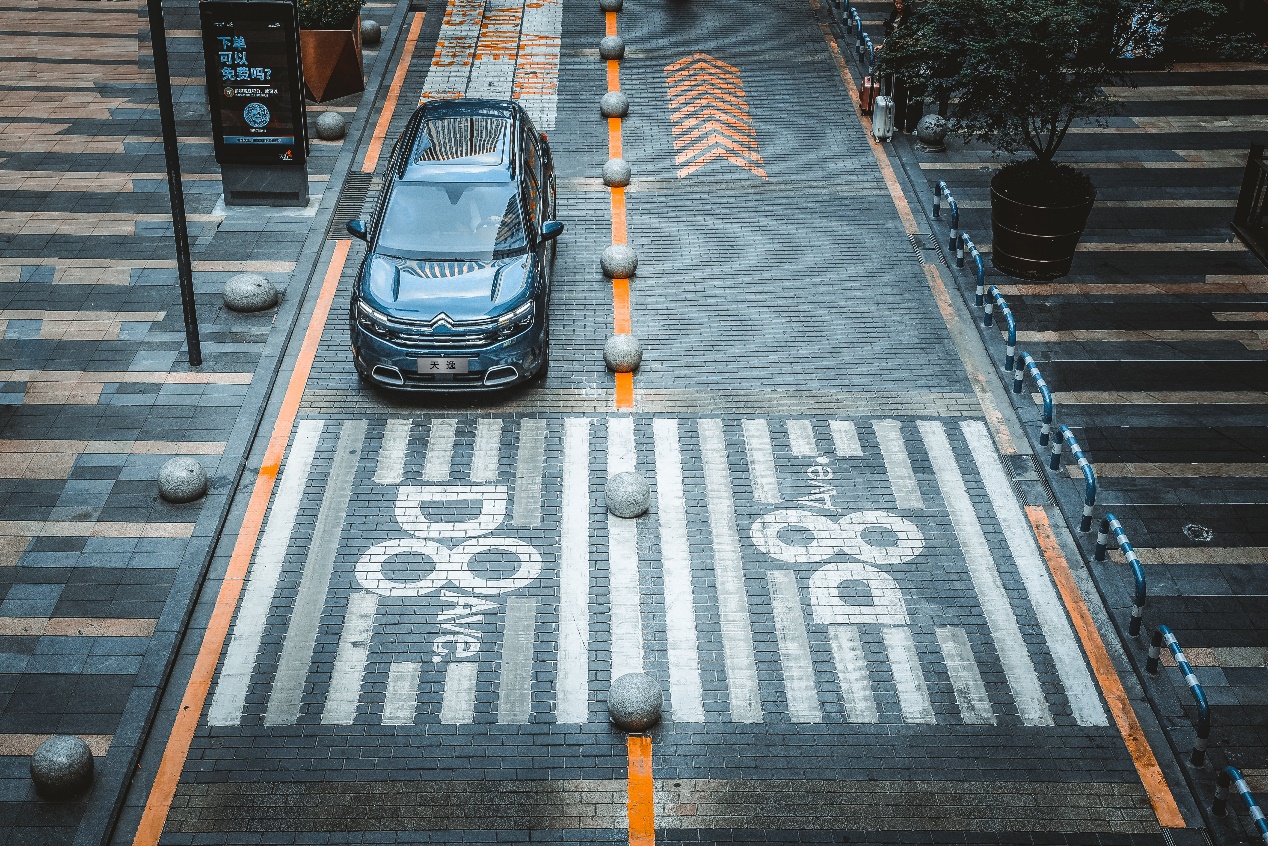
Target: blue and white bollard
x=1232 y=777
x=981 y=267
x=1109 y=523
x=1033 y=369
x=1010 y=348
x=1162 y=635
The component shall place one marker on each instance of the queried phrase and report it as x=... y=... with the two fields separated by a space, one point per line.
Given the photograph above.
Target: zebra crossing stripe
x=515 y=692
x=685 y=689
x=350 y=659
x=572 y=688
x=493 y=73
x=996 y=608
x=728 y=575
x=856 y=684
x=1066 y=655
x=966 y=680
x=439 y=457
x=486 y=455
x=400 y=704
x=794 y=647
x=624 y=593
x=457 y=704
x=761 y=461
x=530 y=463
x=537 y=71
x=902 y=480
x=801 y=438
x=301 y=637
x=390 y=468
x=257 y=596
x=913 y=695
x=845 y=439
x=455 y=51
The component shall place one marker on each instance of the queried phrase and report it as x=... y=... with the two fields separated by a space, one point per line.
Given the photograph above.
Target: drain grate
x=922 y=243
x=1029 y=479
x=351 y=198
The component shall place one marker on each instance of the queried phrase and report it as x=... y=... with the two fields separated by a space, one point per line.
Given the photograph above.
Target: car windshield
x=468 y=221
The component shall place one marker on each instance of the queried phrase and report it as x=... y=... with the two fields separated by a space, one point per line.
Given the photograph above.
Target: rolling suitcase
x=883 y=118
x=867 y=94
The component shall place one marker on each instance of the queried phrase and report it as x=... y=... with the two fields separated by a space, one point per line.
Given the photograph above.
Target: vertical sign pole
x=158 y=42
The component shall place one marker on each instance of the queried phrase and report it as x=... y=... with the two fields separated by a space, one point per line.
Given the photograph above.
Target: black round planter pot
x=1033 y=241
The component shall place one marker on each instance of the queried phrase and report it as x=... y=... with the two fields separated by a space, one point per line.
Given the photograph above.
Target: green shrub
x=328 y=14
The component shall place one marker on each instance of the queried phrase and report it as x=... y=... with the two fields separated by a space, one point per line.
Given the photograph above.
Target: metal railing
x=988 y=319
x=939 y=190
x=966 y=243
x=1164 y=635
x=1045 y=432
x=1232 y=777
x=1089 y=493
x=1110 y=523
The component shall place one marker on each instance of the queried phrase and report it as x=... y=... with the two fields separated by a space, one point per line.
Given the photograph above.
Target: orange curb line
x=177 y=750
x=394 y=92
x=624 y=387
x=1142 y=755
x=641 y=807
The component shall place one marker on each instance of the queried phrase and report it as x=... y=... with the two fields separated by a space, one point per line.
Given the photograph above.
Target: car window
x=532 y=180
x=469 y=221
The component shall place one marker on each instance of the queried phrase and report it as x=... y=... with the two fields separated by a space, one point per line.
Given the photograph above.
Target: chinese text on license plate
x=442 y=365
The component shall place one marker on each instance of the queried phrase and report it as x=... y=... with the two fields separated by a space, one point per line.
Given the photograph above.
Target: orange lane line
x=394 y=92
x=621 y=323
x=642 y=809
x=610 y=23
x=174 y=754
x=618 y=216
x=614 y=75
x=1128 y=726
x=614 y=138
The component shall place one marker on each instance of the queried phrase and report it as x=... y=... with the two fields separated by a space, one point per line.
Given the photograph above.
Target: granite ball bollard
x=616 y=173
x=62 y=767
x=619 y=261
x=610 y=5
x=614 y=105
x=371 y=32
x=628 y=495
x=331 y=126
x=623 y=353
x=182 y=480
x=635 y=702
x=931 y=132
x=249 y=292
x=612 y=47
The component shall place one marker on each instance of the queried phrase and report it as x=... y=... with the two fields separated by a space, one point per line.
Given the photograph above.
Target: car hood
x=464 y=290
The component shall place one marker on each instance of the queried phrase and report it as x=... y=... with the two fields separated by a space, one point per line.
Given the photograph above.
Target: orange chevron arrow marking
x=710 y=115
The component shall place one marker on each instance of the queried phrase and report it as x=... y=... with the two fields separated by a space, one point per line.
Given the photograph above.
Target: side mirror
x=551 y=230
x=356 y=228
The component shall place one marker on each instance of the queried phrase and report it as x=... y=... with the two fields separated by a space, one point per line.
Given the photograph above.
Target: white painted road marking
x=350 y=659
x=966 y=679
x=845 y=439
x=493 y=73
x=624 y=593
x=390 y=469
x=457 y=705
x=487 y=452
x=455 y=51
x=529 y=466
x=761 y=461
x=400 y=704
x=801 y=438
x=573 y=686
x=856 y=682
x=536 y=85
x=439 y=456
x=794 y=647
x=904 y=661
x=515 y=688
x=902 y=480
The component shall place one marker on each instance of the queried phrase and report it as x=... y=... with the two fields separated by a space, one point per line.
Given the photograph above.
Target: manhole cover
x=1198 y=533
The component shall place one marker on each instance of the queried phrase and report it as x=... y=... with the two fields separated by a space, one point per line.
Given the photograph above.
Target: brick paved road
x=854 y=627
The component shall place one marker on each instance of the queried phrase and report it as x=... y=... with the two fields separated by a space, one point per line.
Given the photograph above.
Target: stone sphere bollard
x=614 y=105
x=331 y=126
x=616 y=173
x=628 y=494
x=610 y=5
x=930 y=133
x=623 y=353
x=612 y=47
x=635 y=702
x=249 y=292
x=182 y=480
x=62 y=767
x=619 y=261
x=371 y=32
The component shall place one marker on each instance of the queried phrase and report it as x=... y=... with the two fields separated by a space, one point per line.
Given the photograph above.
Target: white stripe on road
x=457 y=704
x=801 y=437
x=626 y=629
x=494 y=70
x=266 y=570
x=390 y=469
x=515 y=691
x=728 y=571
x=487 y=453
x=400 y=703
x=537 y=71
x=761 y=461
x=1032 y=706
x=794 y=647
x=902 y=480
x=685 y=688
x=845 y=439
x=573 y=674
x=310 y=599
x=966 y=679
x=1080 y=690
x=913 y=696
x=529 y=465
x=350 y=659
x=455 y=51
x=856 y=682
x=439 y=457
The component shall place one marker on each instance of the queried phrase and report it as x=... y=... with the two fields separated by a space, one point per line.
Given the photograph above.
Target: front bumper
x=502 y=365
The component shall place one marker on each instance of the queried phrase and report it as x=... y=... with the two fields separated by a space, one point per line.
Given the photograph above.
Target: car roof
x=464 y=140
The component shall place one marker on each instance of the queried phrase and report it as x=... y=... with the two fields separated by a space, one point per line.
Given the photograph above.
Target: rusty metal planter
x=332 y=61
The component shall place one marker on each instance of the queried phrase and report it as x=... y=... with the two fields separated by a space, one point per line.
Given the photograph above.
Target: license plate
x=442 y=365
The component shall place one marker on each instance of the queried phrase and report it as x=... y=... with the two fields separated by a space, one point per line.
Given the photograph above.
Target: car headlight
x=371 y=320
x=517 y=320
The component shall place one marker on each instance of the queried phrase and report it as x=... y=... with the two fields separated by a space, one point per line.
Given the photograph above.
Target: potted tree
x=1018 y=74
x=330 y=47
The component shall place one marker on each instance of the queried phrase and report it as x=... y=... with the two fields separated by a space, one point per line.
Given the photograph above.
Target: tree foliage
x=1020 y=72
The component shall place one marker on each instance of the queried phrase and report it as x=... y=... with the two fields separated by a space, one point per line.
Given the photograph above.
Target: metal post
x=175 y=193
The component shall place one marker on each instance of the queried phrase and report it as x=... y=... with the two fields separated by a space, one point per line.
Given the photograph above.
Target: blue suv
x=454 y=290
